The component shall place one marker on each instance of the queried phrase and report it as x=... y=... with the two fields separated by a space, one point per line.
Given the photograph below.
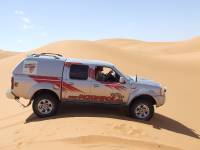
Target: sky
x=28 y=24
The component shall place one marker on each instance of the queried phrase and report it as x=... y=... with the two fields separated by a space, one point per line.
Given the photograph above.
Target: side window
x=106 y=74
x=79 y=72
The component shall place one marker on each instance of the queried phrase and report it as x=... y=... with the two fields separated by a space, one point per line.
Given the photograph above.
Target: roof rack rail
x=47 y=54
x=51 y=54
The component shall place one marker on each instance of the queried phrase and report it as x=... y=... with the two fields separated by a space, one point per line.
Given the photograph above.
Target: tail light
x=12 y=82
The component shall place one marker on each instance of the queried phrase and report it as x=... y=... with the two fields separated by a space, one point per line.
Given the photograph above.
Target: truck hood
x=145 y=81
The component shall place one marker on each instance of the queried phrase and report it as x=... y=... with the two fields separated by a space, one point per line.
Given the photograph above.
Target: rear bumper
x=11 y=95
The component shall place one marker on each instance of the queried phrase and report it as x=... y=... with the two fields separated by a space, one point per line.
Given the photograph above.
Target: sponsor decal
x=30 y=67
x=115 y=98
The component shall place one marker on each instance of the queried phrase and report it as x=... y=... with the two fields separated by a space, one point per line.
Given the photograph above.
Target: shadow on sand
x=96 y=110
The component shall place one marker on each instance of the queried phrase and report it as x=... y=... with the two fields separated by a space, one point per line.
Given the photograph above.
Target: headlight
x=163 y=90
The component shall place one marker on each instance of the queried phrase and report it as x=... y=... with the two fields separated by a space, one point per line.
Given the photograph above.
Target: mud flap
x=24 y=106
x=18 y=101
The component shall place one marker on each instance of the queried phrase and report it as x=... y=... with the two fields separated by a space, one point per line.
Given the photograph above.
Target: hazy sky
x=26 y=24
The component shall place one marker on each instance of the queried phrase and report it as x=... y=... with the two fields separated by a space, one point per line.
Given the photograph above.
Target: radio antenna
x=136 y=78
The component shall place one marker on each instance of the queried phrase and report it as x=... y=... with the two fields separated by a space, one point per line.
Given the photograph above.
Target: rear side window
x=79 y=72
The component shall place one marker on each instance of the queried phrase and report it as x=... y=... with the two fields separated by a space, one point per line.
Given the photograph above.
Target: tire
x=45 y=105
x=142 y=110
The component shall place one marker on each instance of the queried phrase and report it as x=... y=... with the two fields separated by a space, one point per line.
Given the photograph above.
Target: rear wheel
x=142 y=109
x=45 y=105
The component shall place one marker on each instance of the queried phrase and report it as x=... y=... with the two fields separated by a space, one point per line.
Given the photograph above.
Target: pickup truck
x=48 y=79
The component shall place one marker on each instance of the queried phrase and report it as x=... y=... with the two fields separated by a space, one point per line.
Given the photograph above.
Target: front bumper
x=160 y=100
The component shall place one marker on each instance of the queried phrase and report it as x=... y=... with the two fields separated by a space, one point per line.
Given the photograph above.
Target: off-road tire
x=136 y=105
x=52 y=100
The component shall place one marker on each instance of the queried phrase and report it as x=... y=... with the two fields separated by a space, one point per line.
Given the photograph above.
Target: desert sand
x=176 y=125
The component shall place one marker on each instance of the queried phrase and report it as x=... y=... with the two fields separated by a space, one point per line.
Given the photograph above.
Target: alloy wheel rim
x=45 y=106
x=142 y=111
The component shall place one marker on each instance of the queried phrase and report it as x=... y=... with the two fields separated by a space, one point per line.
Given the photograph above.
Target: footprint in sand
x=129 y=130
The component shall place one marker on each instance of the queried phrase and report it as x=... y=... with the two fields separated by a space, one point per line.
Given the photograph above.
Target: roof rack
x=47 y=54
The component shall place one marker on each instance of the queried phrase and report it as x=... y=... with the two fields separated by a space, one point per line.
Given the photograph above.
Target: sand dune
x=5 y=54
x=180 y=47
x=174 y=126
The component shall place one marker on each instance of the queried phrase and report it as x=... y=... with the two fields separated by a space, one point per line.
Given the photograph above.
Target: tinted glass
x=79 y=72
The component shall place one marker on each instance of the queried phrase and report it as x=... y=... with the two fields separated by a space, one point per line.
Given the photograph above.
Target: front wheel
x=142 y=109
x=45 y=105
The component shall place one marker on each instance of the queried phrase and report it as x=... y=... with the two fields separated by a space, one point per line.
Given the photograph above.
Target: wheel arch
x=143 y=97
x=44 y=91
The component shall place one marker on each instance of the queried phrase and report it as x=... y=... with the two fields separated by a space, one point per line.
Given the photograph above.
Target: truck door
x=75 y=81
x=106 y=86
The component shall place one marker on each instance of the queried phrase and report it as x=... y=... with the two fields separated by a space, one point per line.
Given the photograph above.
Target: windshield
x=118 y=71
x=130 y=79
x=121 y=74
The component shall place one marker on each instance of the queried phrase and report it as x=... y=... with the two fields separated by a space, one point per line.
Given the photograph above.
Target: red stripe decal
x=53 y=80
x=56 y=81
x=116 y=86
x=71 y=88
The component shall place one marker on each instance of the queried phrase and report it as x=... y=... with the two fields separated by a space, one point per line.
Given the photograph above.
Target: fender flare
x=142 y=93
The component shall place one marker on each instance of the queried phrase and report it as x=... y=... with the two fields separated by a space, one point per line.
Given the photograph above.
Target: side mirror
x=122 y=80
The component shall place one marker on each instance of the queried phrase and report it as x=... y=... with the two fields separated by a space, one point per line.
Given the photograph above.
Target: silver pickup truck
x=48 y=79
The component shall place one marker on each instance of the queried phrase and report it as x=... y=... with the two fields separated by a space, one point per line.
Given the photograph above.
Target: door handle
x=96 y=85
x=71 y=83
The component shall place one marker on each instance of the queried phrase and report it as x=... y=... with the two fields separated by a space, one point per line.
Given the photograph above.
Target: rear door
x=76 y=82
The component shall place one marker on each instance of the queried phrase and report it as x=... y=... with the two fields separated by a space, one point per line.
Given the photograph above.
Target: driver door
x=109 y=90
